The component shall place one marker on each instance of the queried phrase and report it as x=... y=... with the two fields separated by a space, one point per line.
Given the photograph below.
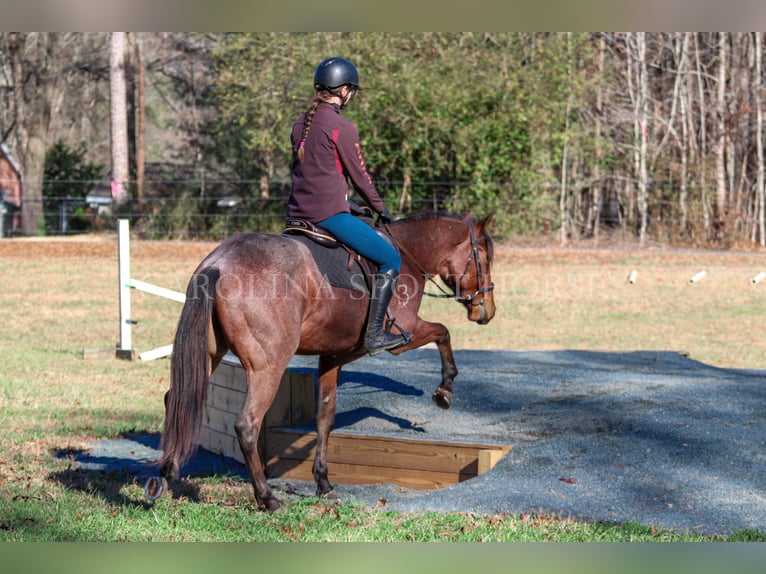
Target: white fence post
x=124 y=349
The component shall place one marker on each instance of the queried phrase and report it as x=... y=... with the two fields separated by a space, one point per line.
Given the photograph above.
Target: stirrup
x=400 y=340
x=391 y=345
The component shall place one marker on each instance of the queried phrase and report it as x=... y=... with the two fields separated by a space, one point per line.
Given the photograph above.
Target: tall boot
x=377 y=339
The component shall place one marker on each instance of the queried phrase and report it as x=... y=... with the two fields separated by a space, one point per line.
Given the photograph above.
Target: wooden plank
x=488 y=458
x=221 y=443
x=225 y=399
x=354 y=458
x=219 y=420
x=437 y=456
x=230 y=377
x=302 y=397
x=280 y=413
x=341 y=473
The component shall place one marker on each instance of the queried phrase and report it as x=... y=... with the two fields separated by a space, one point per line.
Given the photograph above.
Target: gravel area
x=648 y=437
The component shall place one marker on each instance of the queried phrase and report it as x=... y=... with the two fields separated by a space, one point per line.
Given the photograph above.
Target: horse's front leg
x=424 y=333
x=329 y=371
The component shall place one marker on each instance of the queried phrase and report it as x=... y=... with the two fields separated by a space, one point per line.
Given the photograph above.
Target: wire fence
x=206 y=209
x=214 y=209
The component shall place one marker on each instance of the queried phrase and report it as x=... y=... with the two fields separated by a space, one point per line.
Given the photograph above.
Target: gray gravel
x=648 y=437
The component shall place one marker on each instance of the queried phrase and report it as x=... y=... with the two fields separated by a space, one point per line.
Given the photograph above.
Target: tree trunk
x=683 y=96
x=720 y=143
x=598 y=184
x=702 y=155
x=759 y=138
x=564 y=233
x=118 y=115
x=642 y=113
x=31 y=95
x=141 y=123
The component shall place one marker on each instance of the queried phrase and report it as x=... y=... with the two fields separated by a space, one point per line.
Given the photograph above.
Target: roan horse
x=262 y=297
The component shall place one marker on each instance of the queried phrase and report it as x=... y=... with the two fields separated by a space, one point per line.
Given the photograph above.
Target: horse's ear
x=484 y=223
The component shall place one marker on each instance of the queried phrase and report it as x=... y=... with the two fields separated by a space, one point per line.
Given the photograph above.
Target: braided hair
x=319 y=97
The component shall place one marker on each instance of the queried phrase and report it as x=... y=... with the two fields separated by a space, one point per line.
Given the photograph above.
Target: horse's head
x=468 y=272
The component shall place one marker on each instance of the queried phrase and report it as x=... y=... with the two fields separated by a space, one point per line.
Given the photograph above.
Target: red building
x=10 y=193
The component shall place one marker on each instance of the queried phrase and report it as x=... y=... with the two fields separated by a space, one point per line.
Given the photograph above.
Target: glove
x=385 y=217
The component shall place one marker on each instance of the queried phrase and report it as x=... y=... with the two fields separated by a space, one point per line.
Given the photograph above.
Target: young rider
x=326 y=156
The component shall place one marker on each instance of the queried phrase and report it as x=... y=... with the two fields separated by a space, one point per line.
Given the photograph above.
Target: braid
x=318 y=98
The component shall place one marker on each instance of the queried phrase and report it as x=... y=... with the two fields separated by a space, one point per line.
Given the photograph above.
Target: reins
x=467 y=299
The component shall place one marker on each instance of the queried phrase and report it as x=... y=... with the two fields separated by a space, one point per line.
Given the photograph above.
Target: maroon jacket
x=333 y=157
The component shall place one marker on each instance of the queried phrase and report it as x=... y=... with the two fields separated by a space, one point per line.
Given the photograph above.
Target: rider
x=326 y=155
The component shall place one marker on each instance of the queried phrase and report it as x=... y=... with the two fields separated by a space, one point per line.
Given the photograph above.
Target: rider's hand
x=385 y=217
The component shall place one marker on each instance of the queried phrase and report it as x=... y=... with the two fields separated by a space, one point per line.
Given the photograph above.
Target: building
x=10 y=193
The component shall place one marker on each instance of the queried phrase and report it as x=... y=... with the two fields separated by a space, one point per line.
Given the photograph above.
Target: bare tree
x=683 y=96
x=640 y=129
x=597 y=175
x=719 y=222
x=118 y=116
x=32 y=117
x=703 y=143
x=758 y=88
x=53 y=91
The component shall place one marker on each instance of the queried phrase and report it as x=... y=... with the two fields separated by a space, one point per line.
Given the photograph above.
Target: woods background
x=651 y=137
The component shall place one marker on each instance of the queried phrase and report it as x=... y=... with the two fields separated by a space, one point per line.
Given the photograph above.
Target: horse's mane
x=426 y=215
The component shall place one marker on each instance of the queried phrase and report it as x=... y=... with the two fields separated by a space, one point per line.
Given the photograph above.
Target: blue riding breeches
x=360 y=237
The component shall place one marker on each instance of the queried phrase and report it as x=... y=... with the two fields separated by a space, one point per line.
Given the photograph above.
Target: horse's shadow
x=110 y=466
x=350 y=418
x=364 y=383
x=377 y=384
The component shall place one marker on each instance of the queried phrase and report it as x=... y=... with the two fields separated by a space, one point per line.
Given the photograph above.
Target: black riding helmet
x=335 y=72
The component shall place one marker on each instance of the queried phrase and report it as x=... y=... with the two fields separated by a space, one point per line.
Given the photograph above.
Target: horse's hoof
x=154 y=487
x=271 y=505
x=442 y=398
x=331 y=494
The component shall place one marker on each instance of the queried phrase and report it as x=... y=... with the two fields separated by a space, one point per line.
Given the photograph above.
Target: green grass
x=95 y=511
x=53 y=401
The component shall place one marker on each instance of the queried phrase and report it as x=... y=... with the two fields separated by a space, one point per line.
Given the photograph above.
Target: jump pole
x=124 y=347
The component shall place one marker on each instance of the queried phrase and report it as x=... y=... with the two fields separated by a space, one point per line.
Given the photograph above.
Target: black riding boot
x=377 y=338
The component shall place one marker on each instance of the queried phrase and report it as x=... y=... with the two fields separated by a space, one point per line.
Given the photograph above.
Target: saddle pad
x=333 y=264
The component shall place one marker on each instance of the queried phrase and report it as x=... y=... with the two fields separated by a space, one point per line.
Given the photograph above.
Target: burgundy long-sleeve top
x=333 y=157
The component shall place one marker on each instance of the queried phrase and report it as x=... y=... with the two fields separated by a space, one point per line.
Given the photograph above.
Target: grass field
x=60 y=296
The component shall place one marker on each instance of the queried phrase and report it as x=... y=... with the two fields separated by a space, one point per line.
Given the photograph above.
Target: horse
x=262 y=297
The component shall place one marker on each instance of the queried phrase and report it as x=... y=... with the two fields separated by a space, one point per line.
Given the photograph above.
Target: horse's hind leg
x=329 y=371
x=258 y=399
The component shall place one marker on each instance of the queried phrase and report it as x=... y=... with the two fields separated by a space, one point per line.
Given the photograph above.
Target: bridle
x=472 y=257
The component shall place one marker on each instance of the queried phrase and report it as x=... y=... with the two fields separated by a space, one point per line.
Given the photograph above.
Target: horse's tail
x=189 y=373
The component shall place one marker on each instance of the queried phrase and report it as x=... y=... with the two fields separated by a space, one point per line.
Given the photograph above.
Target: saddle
x=342 y=266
